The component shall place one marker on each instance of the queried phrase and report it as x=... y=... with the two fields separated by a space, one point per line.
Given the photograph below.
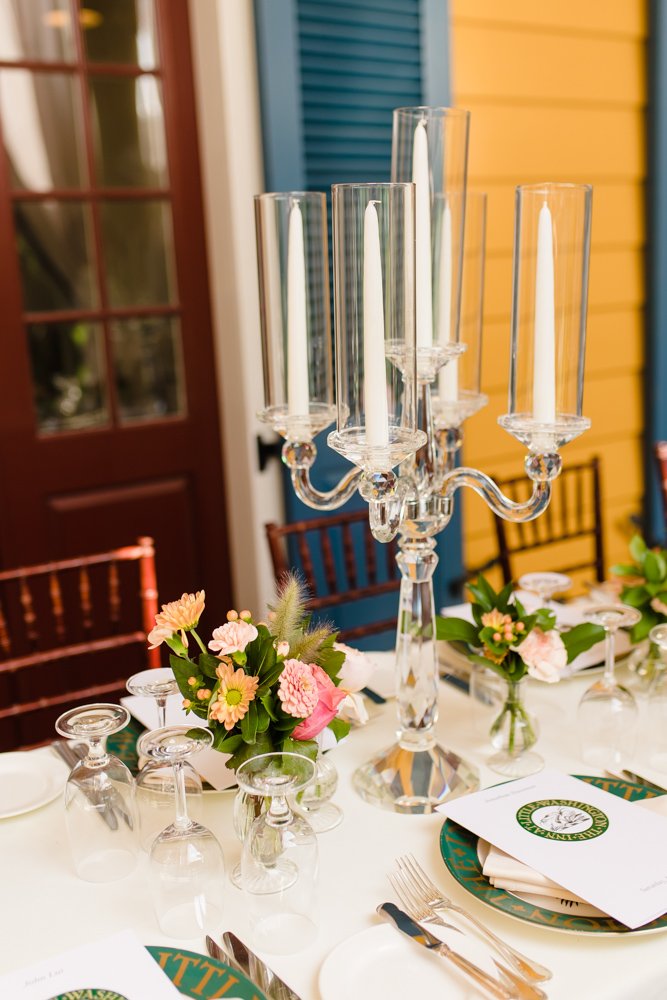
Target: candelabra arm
x=542 y=469
x=298 y=456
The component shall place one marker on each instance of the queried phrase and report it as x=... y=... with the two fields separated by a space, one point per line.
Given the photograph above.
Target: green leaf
x=263 y=744
x=331 y=661
x=654 y=567
x=456 y=630
x=642 y=628
x=263 y=718
x=545 y=619
x=208 y=665
x=339 y=728
x=580 y=638
x=249 y=724
x=503 y=598
x=226 y=742
x=307 y=748
x=635 y=596
x=638 y=549
x=624 y=569
x=267 y=699
x=183 y=670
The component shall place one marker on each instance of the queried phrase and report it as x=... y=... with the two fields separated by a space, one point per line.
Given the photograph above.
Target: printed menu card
x=117 y=968
x=597 y=845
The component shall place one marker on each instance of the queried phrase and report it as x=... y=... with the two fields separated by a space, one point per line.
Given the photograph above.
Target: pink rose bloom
x=297 y=691
x=329 y=698
x=544 y=654
x=232 y=637
x=356 y=670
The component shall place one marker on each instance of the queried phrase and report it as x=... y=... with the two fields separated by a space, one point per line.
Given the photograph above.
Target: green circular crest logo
x=562 y=819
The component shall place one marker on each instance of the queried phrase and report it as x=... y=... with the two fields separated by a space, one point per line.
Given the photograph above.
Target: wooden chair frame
x=318 y=529
x=144 y=553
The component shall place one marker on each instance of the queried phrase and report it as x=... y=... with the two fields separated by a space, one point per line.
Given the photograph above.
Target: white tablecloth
x=46 y=909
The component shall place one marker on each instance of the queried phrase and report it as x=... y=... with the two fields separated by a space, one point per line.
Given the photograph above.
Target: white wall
x=223 y=42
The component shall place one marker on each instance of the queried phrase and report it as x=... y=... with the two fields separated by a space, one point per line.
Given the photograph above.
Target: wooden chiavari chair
x=324 y=552
x=71 y=632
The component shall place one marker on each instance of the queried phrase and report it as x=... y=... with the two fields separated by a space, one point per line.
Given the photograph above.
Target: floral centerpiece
x=644 y=585
x=260 y=686
x=504 y=638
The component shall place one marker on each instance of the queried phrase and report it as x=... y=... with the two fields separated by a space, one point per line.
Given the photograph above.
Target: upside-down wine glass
x=607 y=714
x=155 y=781
x=99 y=796
x=279 y=863
x=545 y=585
x=187 y=865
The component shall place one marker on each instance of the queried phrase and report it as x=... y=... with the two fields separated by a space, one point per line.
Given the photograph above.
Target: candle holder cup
x=293 y=269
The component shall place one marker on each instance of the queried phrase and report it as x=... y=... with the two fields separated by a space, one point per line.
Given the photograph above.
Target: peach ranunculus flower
x=544 y=654
x=297 y=690
x=237 y=689
x=233 y=637
x=178 y=616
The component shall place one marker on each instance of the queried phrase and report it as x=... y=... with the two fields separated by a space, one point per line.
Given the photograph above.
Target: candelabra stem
x=415 y=774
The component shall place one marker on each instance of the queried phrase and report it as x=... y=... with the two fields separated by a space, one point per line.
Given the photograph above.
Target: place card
x=598 y=846
x=116 y=967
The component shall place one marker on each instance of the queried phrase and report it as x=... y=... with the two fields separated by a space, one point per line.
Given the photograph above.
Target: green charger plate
x=458 y=848
x=201 y=977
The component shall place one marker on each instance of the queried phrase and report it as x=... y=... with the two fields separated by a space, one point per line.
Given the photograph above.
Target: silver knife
x=215 y=951
x=411 y=929
x=253 y=966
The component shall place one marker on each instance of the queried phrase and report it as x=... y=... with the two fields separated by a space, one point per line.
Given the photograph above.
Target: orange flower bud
x=232 y=615
x=245 y=615
x=192 y=681
x=186 y=703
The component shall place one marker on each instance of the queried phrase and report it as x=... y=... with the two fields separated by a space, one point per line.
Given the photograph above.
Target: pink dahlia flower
x=298 y=691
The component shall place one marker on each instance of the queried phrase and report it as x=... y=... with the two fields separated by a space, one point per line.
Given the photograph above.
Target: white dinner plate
x=29 y=780
x=381 y=963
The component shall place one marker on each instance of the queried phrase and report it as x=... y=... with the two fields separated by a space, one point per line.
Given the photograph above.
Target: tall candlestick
x=544 y=353
x=375 y=378
x=449 y=375
x=297 y=341
x=423 y=275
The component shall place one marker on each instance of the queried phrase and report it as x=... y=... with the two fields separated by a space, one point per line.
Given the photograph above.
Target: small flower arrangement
x=644 y=586
x=513 y=643
x=260 y=686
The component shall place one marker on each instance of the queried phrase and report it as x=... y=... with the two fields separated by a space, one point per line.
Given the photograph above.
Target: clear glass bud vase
x=513 y=734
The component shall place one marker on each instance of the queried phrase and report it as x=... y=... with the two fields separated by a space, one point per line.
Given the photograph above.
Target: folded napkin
x=505 y=872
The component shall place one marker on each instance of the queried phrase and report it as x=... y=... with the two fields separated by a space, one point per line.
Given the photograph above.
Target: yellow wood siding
x=558 y=92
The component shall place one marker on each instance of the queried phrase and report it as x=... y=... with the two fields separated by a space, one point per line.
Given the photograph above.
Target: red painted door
x=109 y=423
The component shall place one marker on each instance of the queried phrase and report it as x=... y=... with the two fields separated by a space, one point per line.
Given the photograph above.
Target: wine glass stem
x=279 y=811
x=161 y=712
x=609 y=644
x=182 y=820
x=97 y=755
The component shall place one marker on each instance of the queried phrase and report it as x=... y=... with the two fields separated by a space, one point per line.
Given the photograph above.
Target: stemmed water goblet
x=279 y=862
x=186 y=860
x=607 y=714
x=99 y=796
x=155 y=781
x=545 y=585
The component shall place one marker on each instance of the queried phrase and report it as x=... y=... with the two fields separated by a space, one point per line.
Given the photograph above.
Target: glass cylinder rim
x=382 y=185
x=548 y=187
x=432 y=111
x=284 y=195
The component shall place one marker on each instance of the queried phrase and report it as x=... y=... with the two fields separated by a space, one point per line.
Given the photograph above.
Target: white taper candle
x=375 y=378
x=297 y=341
x=423 y=264
x=544 y=353
x=448 y=382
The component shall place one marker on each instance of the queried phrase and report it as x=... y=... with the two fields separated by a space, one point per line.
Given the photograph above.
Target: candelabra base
x=414 y=781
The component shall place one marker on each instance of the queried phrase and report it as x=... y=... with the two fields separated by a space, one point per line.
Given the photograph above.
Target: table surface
x=47 y=909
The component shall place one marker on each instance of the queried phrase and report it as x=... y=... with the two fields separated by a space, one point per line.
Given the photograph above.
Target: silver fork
x=419 y=911
x=431 y=895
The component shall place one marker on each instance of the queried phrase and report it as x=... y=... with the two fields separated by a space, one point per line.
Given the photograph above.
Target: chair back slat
x=84 y=599
x=349 y=557
x=29 y=616
x=304 y=555
x=114 y=594
x=5 y=640
x=328 y=562
x=57 y=608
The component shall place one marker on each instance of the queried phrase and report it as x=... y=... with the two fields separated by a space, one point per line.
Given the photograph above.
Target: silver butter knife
x=260 y=973
x=215 y=951
x=411 y=929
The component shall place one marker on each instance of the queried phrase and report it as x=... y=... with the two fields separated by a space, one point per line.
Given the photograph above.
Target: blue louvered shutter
x=331 y=74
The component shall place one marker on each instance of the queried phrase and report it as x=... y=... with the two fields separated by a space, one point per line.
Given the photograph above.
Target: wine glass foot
x=516 y=765
x=106 y=866
x=326 y=818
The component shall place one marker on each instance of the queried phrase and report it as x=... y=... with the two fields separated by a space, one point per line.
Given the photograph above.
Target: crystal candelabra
x=405 y=382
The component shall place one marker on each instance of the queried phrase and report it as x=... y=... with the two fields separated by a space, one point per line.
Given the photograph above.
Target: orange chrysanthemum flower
x=178 y=616
x=237 y=689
